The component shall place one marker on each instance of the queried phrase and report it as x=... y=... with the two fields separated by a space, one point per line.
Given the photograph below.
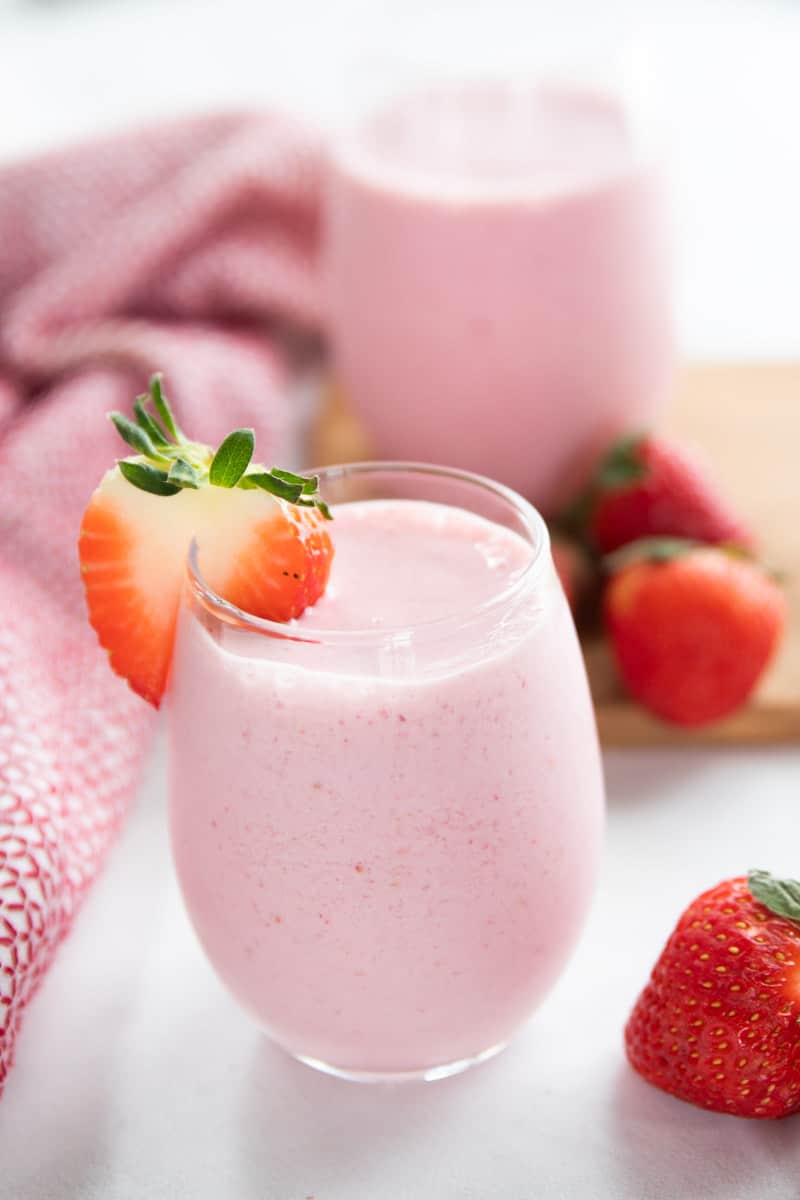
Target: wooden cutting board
x=746 y=418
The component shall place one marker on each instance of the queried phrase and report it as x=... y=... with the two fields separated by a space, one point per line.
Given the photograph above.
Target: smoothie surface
x=402 y=562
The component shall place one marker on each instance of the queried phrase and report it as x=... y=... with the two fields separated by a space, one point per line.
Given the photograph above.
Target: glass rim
x=532 y=520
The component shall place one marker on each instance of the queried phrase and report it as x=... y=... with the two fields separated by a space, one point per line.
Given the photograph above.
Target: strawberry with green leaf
x=648 y=486
x=261 y=534
x=718 y=1023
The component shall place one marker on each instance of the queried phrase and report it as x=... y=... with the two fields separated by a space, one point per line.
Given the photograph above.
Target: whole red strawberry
x=650 y=487
x=691 y=628
x=719 y=1022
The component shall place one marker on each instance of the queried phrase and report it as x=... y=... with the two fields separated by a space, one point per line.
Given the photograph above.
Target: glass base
x=421 y=1074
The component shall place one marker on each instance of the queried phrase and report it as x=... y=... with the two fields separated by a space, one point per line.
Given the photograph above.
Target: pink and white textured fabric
x=180 y=248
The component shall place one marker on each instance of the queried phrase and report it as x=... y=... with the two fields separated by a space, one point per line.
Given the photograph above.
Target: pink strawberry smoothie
x=497 y=285
x=386 y=820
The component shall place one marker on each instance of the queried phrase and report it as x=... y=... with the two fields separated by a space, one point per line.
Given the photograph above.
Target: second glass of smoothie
x=386 y=815
x=497 y=280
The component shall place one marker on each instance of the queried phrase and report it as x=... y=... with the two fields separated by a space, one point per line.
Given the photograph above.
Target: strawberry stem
x=619 y=467
x=183 y=474
x=622 y=464
x=171 y=465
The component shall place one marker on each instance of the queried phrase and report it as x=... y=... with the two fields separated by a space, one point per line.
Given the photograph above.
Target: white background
x=135 y=1075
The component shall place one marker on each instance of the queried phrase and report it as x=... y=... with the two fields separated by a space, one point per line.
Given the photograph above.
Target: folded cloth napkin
x=183 y=248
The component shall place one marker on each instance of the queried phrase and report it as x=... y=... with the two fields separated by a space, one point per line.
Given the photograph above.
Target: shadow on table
x=292 y=1115
x=669 y=1150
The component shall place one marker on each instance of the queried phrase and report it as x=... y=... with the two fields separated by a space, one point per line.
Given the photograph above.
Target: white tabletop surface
x=136 y=1076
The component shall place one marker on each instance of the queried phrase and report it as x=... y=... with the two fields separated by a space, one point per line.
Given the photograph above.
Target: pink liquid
x=497 y=283
x=388 y=854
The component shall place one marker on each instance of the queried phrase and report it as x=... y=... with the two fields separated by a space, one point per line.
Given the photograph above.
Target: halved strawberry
x=261 y=538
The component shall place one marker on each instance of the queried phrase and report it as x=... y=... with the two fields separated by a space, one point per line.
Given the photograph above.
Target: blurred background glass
x=725 y=72
x=497 y=267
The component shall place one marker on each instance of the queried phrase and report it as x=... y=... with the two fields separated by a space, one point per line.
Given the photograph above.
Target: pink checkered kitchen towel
x=178 y=248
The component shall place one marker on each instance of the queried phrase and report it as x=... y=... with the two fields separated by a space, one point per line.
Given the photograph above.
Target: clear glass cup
x=387 y=839
x=497 y=276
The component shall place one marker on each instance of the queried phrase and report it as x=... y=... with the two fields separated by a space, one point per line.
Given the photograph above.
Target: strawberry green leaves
x=781 y=896
x=163 y=409
x=302 y=490
x=278 y=483
x=167 y=472
x=622 y=465
x=134 y=435
x=145 y=434
x=147 y=423
x=232 y=458
x=148 y=479
x=297 y=489
x=174 y=462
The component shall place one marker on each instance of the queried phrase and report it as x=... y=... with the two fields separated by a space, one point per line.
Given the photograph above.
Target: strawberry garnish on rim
x=262 y=538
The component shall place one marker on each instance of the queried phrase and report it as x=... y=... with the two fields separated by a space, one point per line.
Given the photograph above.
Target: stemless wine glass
x=497 y=277
x=387 y=839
